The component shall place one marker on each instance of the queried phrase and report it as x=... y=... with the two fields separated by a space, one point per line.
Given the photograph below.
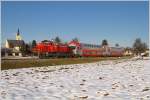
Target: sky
x=90 y=21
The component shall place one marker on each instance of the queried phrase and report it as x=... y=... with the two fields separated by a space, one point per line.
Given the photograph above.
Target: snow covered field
x=105 y=80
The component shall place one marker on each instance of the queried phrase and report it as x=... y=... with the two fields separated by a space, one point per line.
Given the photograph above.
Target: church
x=15 y=45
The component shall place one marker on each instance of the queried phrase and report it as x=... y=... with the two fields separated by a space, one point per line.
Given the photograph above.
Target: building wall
x=17 y=48
x=18 y=37
x=128 y=52
x=6 y=44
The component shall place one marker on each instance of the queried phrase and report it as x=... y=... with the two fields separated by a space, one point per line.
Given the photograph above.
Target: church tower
x=18 y=37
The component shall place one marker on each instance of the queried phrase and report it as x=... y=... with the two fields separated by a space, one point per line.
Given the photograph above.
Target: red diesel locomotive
x=51 y=49
x=74 y=48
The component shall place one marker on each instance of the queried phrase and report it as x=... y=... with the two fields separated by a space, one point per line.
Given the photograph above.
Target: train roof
x=86 y=45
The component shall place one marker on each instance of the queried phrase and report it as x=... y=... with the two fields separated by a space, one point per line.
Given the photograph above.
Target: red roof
x=74 y=43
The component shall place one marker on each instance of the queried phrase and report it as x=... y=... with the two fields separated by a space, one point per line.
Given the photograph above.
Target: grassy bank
x=12 y=64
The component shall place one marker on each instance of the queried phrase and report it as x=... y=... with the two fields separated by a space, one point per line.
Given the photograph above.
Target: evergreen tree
x=75 y=39
x=33 y=43
x=117 y=45
x=57 y=40
x=104 y=43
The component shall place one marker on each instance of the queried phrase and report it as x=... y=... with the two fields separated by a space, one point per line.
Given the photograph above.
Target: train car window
x=85 y=45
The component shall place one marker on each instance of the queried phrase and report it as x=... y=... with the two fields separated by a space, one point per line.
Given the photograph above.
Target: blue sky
x=118 y=22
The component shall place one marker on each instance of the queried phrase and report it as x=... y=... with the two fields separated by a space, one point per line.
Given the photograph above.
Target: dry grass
x=12 y=64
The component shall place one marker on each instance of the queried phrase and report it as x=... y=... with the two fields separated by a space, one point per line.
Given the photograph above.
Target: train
x=75 y=49
x=52 y=49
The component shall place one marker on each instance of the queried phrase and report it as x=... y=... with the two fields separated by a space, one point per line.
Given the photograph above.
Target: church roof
x=14 y=43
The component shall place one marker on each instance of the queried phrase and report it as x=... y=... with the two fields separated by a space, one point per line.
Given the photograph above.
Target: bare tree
x=139 y=46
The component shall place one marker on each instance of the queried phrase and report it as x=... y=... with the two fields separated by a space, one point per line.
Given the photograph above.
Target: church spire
x=18 y=37
x=18 y=33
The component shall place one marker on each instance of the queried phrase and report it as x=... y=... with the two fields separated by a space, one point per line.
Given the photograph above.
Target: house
x=128 y=51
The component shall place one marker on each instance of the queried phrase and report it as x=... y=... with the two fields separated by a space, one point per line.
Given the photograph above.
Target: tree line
x=137 y=48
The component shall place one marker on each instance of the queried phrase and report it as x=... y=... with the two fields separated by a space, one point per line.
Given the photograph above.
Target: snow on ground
x=105 y=80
